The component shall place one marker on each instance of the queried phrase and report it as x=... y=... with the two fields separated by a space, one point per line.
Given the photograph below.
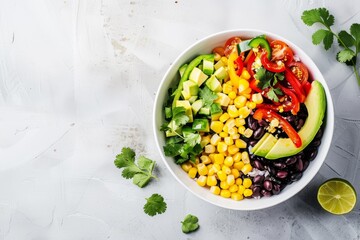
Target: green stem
x=356 y=74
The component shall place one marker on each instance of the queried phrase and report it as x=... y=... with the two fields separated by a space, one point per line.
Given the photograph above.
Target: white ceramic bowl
x=204 y=46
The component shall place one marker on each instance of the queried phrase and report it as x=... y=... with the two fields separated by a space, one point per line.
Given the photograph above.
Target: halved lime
x=337 y=196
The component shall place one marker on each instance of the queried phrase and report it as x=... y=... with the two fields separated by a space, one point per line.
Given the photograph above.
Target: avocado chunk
x=201 y=125
x=266 y=146
x=208 y=66
x=196 y=106
x=187 y=106
x=315 y=103
x=258 y=144
x=215 y=111
x=221 y=73
x=198 y=76
x=204 y=111
x=214 y=84
x=192 y=99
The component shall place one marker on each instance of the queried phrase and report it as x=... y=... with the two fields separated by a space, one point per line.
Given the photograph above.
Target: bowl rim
x=329 y=116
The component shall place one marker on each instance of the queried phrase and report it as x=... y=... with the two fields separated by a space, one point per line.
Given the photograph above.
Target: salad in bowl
x=244 y=119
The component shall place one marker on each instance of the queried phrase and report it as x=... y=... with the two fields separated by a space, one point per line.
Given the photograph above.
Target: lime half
x=337 y=196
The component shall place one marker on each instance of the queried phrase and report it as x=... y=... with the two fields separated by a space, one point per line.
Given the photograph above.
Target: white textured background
x=77 y=83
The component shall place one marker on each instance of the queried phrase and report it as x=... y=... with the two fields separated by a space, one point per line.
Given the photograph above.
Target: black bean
x=268 y=185
x=276 y=189
x=281 y=174
x=290 y=160
x=306 y=164
x=258 y=165
x=296 y=176
x=299 y=124
x=319 y=134
x=265 y=193
x=258 y=133
x=316 y=143
x=299 y=165
x=252 y=123
x=271 y=170
x=279 y=165
x=258 y=179
x=253 y=142
x=290 y=118
x=256 y=192
x=263 y=123
x=313 y=154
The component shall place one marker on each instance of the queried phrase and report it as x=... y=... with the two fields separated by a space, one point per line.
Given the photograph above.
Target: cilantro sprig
x=140 y=173
x=190 y=224
x=155 y=205
x=349 y=42
x=268 y=80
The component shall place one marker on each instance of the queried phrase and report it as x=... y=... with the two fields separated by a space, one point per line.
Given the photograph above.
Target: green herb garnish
x=155 y=205
x=268 y=80
x=190 y=224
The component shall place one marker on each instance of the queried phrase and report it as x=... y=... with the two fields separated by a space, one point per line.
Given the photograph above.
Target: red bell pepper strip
x=249 y=64
x=240 y=65
x=296 y=85
x=271 y=66
x=268 y=115
x=294 y=107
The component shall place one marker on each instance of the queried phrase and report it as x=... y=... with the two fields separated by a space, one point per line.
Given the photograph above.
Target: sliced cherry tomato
x=268 y=115
x=281 y=52
x=295 y=84
x=240 y=65
x=249 y=64
x=219 y=50
x=253 y=85
x=230 y=44
x=300 y=72
x=278 y=66
x=294 y=105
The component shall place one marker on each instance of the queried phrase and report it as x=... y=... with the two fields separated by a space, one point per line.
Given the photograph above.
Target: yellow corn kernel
x=222 y=147
x=231 y=102
x=243 y=85
x=219 y=158
x=224 y=60
x=230 y=123
x=216 y=126
x=209 y=148
x=186 y=166
x=205 y=159
x=235 y=136
x=209 y=166
x=241 y=130
x=248 y=132
x=236 y=196
x=240 y=143
x=238 y=165
x=221 y=175
x=211 y=171
x=247 y=95
x=211 y=156
x=251 y=105
x=237 y=157
x=233 y=149
x=246 y=168
x=240 y=101
x=232 y=131
x=230 y=180
x=235 y=172
x=257 y=98
x=228 y=141
x=247 y=182
x=239 y=122
x=211 y=181
x=205 y=140
x=245 y=74
x=225 y=193
x=241 y=189
x=192 y=172
x=245 y=157
x=226 y=169
x=225 y=116
x=247 y=91
x=227 y=88
x=224 y=185
x=202 y=169
x=248 y=192
x=201 y=181
x=233 y=188
x=244 y=112
x=232 y=111
x=232 y=95
x=216 y=167
x=226 y=129
x=215 y=190
x=228 y=161
x=223 y=134
x=215 y=139
x=238 y=181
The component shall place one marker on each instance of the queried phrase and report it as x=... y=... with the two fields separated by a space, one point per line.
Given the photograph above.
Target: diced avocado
x=221 y=73
x=215 y=111
x=191 y=87
x=198 y=76
x=315 y=103
x=243 y=46
x=208 y=66
x=196 y=106
x=223 y=99
x=219 y=64
x=201 y=125
x=266 y=146
x=182 y=69
x=192 y=99
x=214 y=84
x=170 y=133
x=257 y=145
x=204 y=111
x=168 y=112
x=185 y=95
x=187 y=106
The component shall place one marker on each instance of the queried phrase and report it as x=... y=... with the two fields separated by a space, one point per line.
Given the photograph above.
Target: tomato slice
x=268 y=115
x=219 y=50
x=281 y=52
x=230 y=44
x=278 y=66
x=300 y=71
x=295 y=84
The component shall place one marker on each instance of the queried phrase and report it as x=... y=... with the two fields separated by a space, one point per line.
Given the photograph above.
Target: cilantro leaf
x=207 y=96
x=318 y=15
x=192 y=138
x=272 y=94
x=328 y=40
x=141 y=173
x=345 y=55
x=355 y=32
x=319 y=36
x=346 y=39
x=155 y=205
x=264 y=78
x=172 y=149
x=190 y=224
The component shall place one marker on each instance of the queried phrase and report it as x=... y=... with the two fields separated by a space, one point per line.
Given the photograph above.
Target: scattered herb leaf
x=155 y=205
x=190 y=224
